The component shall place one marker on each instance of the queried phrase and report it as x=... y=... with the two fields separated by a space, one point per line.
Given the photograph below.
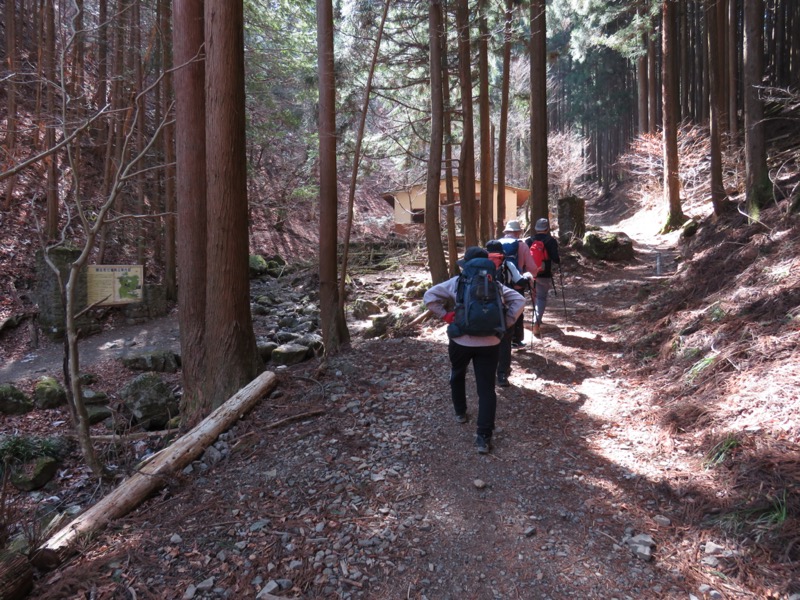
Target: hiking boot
x=516 y=344
x=482 y=444
x=502 y=380
x=461 y=418
x=537 y=330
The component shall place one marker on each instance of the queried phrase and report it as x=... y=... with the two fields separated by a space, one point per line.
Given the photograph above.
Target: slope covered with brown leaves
x=657 y=403
x=717 y=346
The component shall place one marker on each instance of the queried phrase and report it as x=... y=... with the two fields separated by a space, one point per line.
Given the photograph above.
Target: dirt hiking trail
x=355 y=481
x=383 y=496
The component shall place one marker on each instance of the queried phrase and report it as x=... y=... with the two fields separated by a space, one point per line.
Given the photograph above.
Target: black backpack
x=479 y=301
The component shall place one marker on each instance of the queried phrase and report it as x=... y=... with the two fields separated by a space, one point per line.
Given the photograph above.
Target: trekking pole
x=532 y=288
x=563 y=299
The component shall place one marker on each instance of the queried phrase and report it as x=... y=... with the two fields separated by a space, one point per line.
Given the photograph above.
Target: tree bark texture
x=190 y=171
x=652 y=81
x=143 y=232
x=538 y=55
x=75 y=108
x=51 y=161
x=757 y=184
x=671 y=182
x=168 y=145
x=11 y=97
x=487 y=182
x=683 y=34
x=115 y=127
x=704 y=58
x=719 y=58
x=733 y=69
x=642 y=88
x=794 y=42
x=452 y=246
x=466 y=166
x=101 y=95
x=433 y=231
x=40 y=48
x=716 y=89
x=503 y=134
x=332 y=321
x=231 y=356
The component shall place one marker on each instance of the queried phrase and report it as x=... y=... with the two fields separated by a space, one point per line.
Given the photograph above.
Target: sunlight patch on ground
x=602 y=396
x=770 y=402
x=573 y=332
x=644 y=224
x=638 y=449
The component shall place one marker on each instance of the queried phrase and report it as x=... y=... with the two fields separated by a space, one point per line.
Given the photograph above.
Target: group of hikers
x=483 y=307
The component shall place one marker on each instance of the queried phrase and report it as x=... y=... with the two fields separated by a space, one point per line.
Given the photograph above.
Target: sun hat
x=512 y=226
x=473 y=252
x=542 y=225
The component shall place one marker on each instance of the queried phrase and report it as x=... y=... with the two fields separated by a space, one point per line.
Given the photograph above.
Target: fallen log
x=131 y=492
x=13 y=321
x=420 y=318
x=132 y=437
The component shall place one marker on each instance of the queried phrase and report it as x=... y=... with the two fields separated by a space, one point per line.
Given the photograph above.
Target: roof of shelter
x=522 y=193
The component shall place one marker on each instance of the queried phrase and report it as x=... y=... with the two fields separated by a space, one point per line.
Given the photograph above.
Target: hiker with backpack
x=544 y=247
x=478 y=311
x=516 y=256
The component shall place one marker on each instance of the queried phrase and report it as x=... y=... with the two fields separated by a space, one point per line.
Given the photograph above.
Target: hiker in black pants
x=482 y=351
x=518 y=251
x=544 y=280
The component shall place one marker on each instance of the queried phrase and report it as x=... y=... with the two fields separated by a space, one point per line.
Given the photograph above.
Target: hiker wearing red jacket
x=544 y=279
x=518 y=251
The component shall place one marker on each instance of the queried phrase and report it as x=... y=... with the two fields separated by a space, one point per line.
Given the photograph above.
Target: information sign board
x=114 y=284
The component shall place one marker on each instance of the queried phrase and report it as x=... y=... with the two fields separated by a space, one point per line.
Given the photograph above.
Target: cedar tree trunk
x=232 y=360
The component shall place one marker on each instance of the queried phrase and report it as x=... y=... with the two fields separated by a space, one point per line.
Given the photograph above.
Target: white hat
x=512 y=226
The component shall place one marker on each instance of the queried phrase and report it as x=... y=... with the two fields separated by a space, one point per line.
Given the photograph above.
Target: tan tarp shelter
x=409 y=203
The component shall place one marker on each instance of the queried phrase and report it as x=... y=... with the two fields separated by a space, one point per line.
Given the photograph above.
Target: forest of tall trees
x=114 y=114
x=192 y=140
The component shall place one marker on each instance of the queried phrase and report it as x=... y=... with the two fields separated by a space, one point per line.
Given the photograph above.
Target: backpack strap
x=500 y=332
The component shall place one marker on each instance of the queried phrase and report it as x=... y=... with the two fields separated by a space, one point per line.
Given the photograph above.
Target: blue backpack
x=511 y=252
x=479 y=301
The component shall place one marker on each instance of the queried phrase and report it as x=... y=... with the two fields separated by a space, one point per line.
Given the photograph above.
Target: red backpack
x=539 y=254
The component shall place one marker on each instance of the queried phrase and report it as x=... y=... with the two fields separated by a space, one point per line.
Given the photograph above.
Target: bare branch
x=56 y=148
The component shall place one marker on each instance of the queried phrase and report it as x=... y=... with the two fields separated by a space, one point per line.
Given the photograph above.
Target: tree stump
x=571 y=219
